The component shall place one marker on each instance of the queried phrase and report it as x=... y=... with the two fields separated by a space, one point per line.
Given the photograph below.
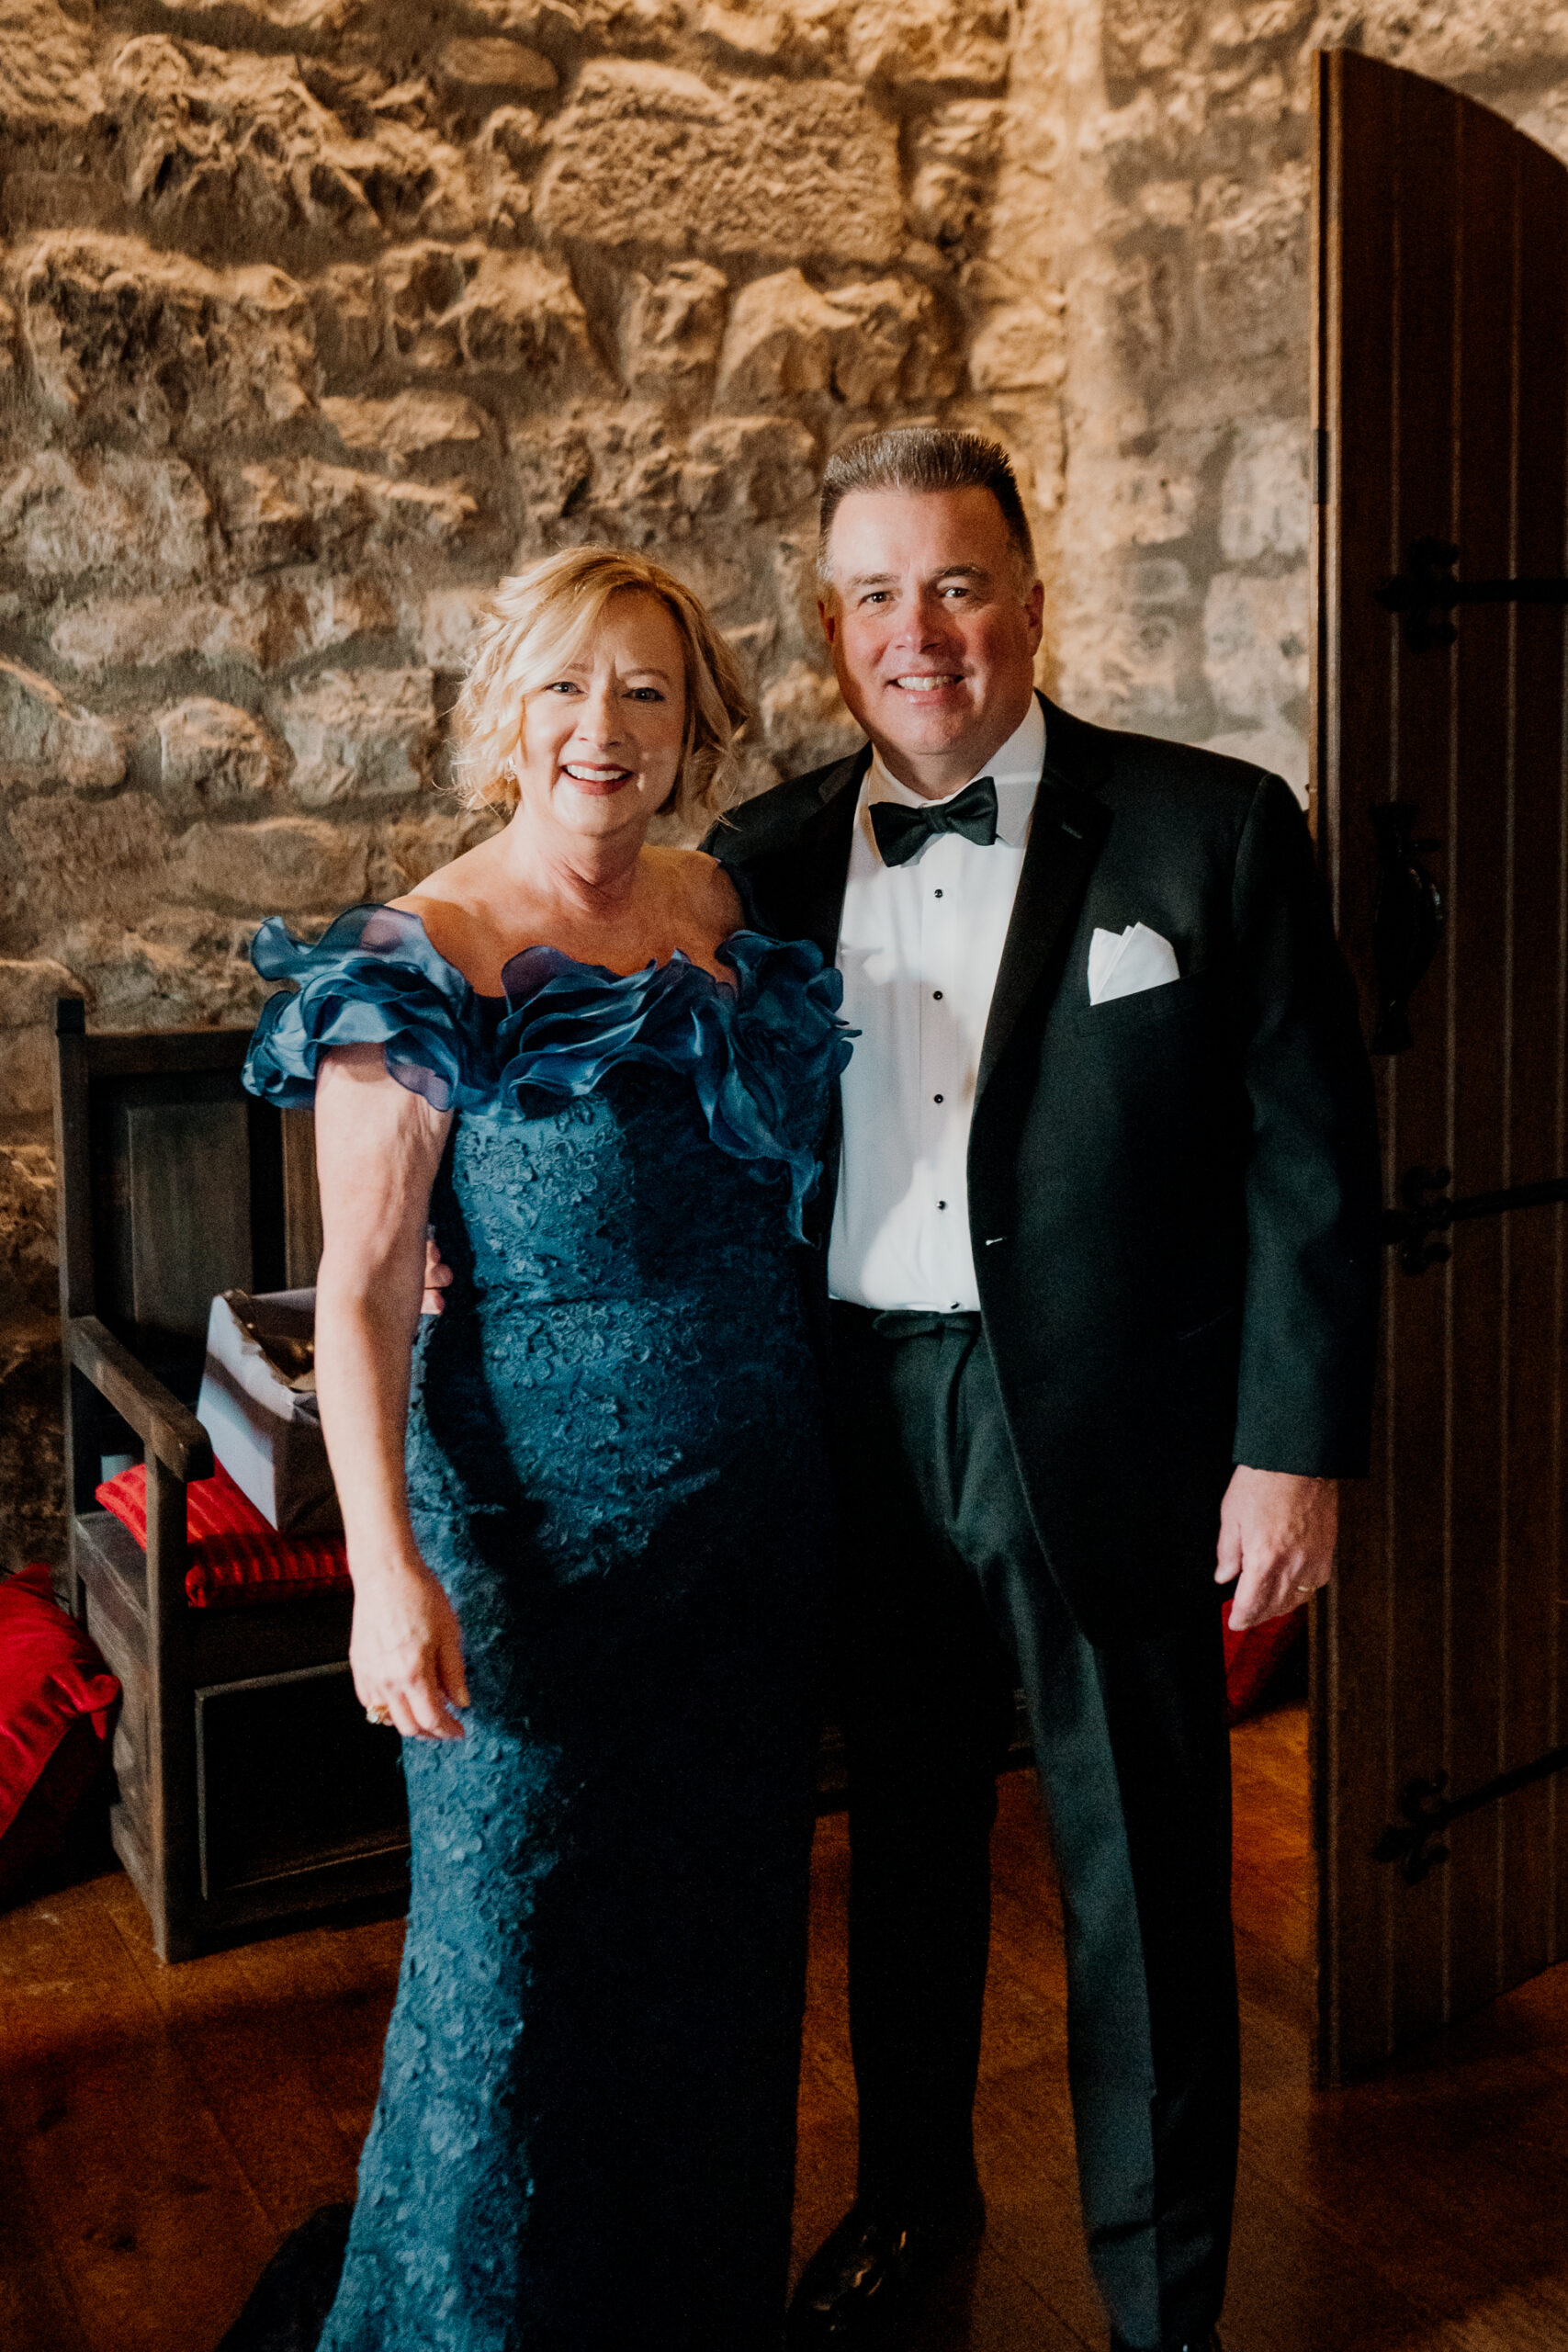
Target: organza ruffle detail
x=762 y=1054
x=372 y=978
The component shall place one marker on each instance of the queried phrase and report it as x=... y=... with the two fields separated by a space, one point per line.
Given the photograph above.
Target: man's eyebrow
x=944 y=572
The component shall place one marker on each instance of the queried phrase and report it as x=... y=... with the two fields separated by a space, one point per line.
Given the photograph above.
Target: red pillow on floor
x=1254 y=1658
x=235 y=1557
x=55 y=1699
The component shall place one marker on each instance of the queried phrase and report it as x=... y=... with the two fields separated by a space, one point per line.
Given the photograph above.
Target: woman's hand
x=407 y=1650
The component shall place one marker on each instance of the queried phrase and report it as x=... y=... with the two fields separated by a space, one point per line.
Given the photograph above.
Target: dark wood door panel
x=1442 y=386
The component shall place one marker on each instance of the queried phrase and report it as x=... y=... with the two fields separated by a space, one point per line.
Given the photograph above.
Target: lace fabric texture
x=585 y=2131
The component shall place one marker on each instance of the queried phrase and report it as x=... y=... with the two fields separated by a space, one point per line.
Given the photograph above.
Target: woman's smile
x=596 y=776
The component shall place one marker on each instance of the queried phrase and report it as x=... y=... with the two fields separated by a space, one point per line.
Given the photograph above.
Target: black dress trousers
x=947 y=1603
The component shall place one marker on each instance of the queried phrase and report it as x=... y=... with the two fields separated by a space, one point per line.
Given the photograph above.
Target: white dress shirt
x=919 y=948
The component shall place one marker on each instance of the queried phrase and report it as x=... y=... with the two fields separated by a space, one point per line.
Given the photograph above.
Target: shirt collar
x=1015 y=771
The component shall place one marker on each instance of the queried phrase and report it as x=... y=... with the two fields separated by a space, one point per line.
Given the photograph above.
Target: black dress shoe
x=864 y=2276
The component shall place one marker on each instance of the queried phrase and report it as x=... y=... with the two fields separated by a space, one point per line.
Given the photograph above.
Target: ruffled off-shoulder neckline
x=761 y=1053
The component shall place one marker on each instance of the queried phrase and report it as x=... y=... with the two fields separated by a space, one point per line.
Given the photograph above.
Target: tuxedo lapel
x=1066 y=836
x=800 y=885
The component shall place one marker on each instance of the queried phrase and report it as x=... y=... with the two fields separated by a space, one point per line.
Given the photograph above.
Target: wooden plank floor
x=160 y=2129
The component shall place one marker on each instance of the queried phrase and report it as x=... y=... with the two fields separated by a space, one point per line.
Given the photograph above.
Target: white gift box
x=258 y=1406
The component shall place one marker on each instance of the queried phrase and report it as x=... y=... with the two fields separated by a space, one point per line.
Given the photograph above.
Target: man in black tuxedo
x=1101 y=1266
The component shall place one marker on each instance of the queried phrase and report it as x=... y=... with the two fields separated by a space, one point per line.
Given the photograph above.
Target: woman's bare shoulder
x=451 y=904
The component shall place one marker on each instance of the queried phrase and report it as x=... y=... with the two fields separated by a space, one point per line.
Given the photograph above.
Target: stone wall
x=316 y=316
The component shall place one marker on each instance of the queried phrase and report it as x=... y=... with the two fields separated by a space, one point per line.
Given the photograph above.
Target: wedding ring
x=377 y=1715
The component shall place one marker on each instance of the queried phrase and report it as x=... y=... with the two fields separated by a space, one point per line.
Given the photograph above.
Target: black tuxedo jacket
x=1173 y=1197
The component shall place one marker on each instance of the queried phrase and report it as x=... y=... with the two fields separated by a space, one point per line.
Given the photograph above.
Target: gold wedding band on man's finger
x=377 y=1715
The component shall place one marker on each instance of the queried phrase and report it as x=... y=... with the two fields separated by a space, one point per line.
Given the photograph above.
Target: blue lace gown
x=584 y=2139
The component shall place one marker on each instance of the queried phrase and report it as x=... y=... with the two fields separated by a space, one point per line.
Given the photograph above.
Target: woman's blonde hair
x=540 y=619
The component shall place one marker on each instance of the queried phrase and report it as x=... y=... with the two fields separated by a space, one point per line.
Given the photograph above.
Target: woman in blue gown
x=584 y=1505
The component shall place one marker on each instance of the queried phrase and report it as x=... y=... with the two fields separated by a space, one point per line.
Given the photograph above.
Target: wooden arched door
x=1441 y=415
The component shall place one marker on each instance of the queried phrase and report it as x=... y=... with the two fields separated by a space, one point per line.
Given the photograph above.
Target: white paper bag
x=258 y=1406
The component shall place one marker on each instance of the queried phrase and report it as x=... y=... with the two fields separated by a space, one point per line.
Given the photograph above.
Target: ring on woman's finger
x=377 y=1715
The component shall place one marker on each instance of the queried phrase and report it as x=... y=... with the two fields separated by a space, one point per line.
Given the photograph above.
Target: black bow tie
x=902 y=833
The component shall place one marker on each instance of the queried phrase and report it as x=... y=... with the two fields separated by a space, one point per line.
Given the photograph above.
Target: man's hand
x=1277 y=1536
x=438 y=1275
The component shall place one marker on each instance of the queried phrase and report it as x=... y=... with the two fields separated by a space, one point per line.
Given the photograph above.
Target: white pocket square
x=1124 y=963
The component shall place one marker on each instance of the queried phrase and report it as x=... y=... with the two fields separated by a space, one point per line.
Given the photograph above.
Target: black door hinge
x=1426 y=592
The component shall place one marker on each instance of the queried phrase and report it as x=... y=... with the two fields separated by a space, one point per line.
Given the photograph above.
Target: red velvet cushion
x=235 y=1557
x=1254 y=1658
x=55 y=1698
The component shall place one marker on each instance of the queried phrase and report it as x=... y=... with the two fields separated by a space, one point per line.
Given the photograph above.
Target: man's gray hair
x=924 y=458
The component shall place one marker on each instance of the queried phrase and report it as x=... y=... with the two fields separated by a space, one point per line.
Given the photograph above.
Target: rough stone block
x=359 y=733
x=30 y=1252
x=621 y=474
x=445 y=308
x=303 y=19
x=1251 y=280
x=1265 y=506
x=446 y=627
x=209 y=135
x=515 y=133
x=173 y=970
x=63 y=515
x=47 y=82
x=758 y=36
x=955 y=152
x=1146 y=37
x=82 y=857
x=522 y=314
x=295 y=510
x=1127 y=668
x=1255 y=645
x=46 y=740
x=407 y=852
x=647 y=155
x=805 y=723
x=282 y=865
x=27 y=991
x=216 y=752
x=898 y=346
x=475 y=67
x=411 y=428
x=258 y=624
x=780 y=341
x=1023 y=347
x=1141 y=505
x=211 y=140
x=345 y=303
x=936 y=42
x=870 y=343
x=158 y=344
x=675 y=328
x=762 y=466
